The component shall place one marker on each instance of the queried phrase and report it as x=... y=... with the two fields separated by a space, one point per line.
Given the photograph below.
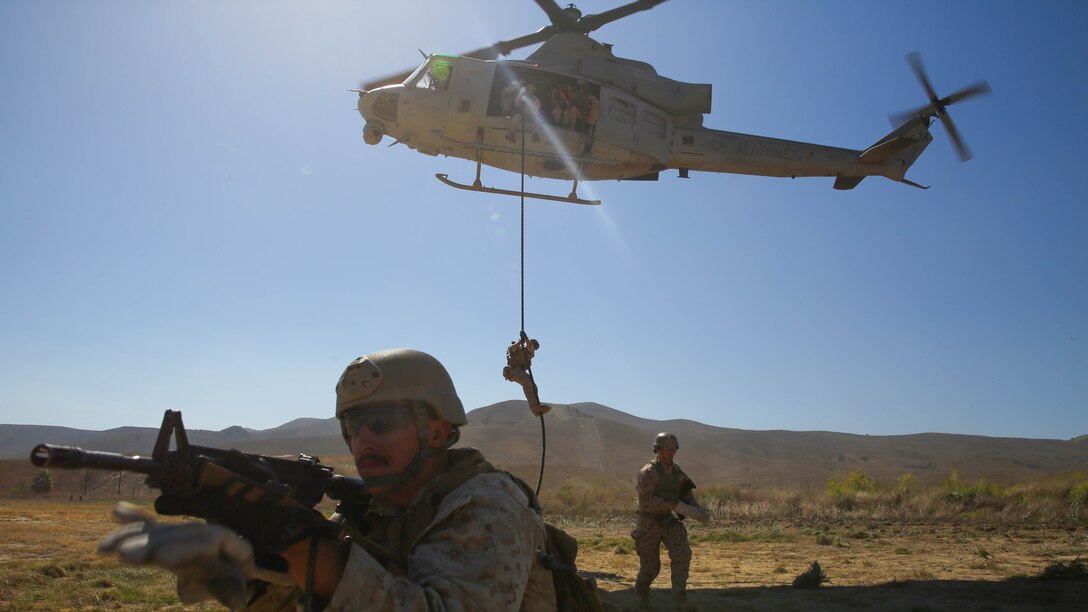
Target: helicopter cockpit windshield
x=434 y=74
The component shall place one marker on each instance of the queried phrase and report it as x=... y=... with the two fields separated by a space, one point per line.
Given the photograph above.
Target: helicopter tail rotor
x=938 y=106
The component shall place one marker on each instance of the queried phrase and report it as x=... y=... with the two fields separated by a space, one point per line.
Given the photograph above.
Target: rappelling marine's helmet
x=666 y=440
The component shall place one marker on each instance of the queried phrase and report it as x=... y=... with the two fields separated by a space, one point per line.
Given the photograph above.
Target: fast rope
x=519 y=355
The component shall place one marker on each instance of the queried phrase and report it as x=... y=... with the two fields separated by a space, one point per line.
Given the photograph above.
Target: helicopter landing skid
x=477 y=186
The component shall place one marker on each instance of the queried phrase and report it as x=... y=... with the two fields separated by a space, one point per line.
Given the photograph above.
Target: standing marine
x=665 y=498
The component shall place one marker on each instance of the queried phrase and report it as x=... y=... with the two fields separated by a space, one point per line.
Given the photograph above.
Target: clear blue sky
x=189 y=219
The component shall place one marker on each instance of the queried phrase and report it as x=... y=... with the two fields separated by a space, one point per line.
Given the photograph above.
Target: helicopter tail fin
x=885 y=149
x=847 y=182
x=898 y=150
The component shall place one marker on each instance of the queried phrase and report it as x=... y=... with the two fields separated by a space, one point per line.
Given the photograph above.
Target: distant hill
x=17 y=440
x=588 y=442
x=612 y=445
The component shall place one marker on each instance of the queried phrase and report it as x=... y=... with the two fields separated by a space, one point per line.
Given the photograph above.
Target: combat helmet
x=666 y=439
x=399 y=375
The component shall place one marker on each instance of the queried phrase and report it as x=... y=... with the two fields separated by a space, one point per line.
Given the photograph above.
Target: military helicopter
x=574 y=111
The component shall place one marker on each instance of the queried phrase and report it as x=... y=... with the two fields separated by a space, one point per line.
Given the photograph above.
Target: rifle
x=268 y=500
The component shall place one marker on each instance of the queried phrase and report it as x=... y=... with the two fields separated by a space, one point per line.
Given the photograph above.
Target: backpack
x=573 y=593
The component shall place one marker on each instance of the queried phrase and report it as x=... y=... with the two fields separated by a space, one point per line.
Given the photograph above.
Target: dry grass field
x=47 y=562
x=870 y=567
x=892 y=520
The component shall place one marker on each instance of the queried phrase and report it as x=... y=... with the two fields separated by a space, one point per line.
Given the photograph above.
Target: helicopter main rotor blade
x=571 y=19
x=504 y=47
x=590 y=23
x=556 y=15
x=562 y=20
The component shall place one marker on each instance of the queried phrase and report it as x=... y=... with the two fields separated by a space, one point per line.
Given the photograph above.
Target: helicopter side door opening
x=565 y=106
x=535 y=122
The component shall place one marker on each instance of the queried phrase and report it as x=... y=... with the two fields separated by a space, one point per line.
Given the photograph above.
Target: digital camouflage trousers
x=649 y=535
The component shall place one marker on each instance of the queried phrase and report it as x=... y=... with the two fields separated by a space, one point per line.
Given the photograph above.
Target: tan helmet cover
x=399 y=375
x=666 y=439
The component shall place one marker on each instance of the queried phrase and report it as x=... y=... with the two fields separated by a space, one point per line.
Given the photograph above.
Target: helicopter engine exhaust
x=372 y=134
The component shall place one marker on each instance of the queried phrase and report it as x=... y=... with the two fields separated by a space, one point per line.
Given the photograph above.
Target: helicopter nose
x=380 y=104
x=379 y=108
x=366 y=102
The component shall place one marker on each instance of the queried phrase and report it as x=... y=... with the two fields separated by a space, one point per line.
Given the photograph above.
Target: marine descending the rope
x=519 y=362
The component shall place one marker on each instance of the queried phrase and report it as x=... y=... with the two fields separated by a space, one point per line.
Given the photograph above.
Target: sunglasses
x=380 y=419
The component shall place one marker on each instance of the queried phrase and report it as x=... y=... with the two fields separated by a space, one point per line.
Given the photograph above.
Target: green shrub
x=1078 y=498
x=981 y=493
x=1073 y=570
x=849 y=498
x=43 y=482
x=906 y=484
x=811 y=578
x=844 y=493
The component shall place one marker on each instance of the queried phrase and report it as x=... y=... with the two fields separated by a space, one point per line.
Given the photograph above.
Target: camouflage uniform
x=659 y=488
x=476 y=550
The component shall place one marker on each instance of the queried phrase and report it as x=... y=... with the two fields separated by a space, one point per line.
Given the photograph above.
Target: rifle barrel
x=74 y=458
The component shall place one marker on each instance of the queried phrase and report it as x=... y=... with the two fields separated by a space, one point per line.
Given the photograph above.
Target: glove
x=692 y=511
x=210 y=561
x=266 y=527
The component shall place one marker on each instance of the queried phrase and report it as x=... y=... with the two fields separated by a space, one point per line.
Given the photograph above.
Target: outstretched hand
x=210 y=561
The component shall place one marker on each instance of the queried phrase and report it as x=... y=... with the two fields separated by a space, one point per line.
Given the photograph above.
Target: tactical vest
x=668 y=483
x=392 y=540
